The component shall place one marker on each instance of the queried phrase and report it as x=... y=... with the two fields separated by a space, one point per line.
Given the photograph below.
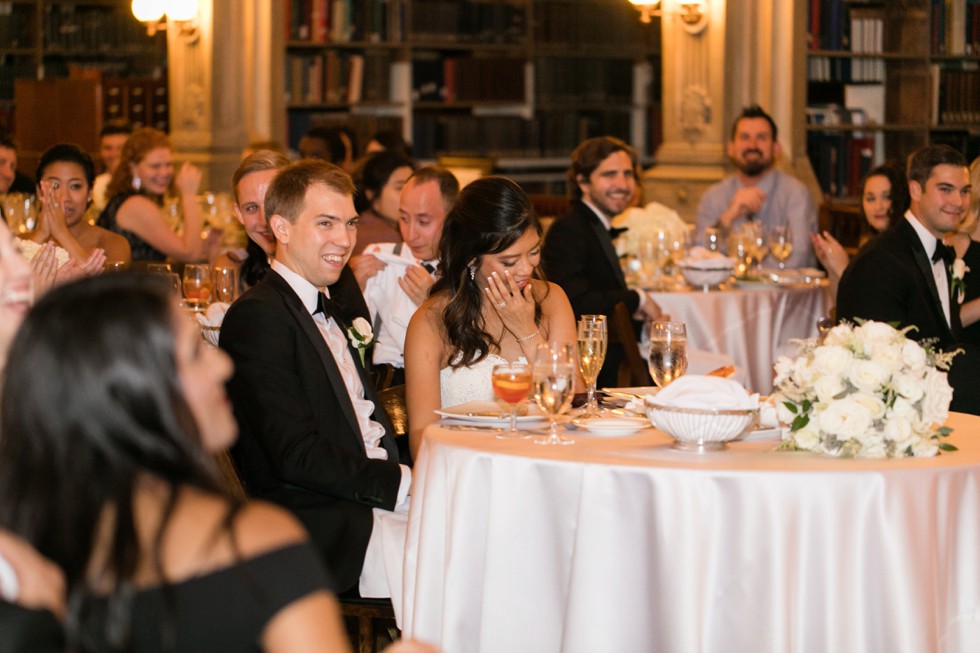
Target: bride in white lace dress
x=487 y=307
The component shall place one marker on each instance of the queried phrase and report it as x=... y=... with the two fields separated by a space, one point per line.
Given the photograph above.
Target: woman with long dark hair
x=884 y=200
x=111 y=410
x=489 y=305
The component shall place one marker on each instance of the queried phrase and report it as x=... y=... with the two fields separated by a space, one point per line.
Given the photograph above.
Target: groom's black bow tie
x=615 y=232
x=328 y=307
x=943 y=253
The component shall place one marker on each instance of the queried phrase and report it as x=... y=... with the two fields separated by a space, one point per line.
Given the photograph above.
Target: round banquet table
x=750 y=324
x=625 y=544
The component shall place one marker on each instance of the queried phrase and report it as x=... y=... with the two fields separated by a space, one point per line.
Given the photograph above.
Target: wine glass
x=197 y=284
x=512 y=383
x=592 y=340
x=225 y=283
x=668 y=351
x=554 y=386
x=781 y=243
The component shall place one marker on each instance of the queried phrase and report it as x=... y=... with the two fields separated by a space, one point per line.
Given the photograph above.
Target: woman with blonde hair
x=135 y=199
x=966 y=243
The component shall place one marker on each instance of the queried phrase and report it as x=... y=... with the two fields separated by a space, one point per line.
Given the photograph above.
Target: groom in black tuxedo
x=578 y=252
x=313 y=437
x=904 y=275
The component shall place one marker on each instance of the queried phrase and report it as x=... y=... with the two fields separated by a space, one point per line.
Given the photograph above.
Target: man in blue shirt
x=758 y=192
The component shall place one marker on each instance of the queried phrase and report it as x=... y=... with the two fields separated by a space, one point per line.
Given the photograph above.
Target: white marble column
x=749 y=52
x=225 y=84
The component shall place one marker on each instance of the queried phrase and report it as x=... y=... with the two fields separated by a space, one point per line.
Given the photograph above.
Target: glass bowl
x=701 y=429
x=705 y=278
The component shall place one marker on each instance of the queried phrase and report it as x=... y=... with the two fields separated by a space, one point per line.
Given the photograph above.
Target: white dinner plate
x=765 y=433
x=489 y=412
x=612 y=427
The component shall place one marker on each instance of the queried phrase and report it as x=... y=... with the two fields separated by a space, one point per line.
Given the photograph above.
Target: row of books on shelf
x=841 y=159
x=584 y=80
x=93 y=28
x=954 y=27
x=468 y=79
x=336 y=77
x=16 y=26
x=581 y=24
x=488 y=21
x=958 y=97
x=342 y=21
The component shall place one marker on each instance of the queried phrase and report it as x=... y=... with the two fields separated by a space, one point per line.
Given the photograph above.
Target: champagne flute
x=197 y=284
x=668 y=351
x=554 y=386
x=781 y=243
x=512 y=383
x=592 y=341
x=225 y=283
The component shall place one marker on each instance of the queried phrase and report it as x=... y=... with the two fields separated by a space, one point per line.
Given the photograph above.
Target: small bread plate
x=762 y=433
x=488 y=412
x=637 y=392
x=612 y=427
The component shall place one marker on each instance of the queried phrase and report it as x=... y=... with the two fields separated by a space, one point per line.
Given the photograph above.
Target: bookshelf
x=885 y=77
x=52 y=39
x=512 y=80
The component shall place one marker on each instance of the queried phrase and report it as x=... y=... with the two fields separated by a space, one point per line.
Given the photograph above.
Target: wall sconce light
x=183 y=13
x=691 y=12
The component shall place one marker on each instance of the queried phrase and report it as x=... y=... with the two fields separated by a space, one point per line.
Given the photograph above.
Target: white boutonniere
x=957 y=287
x=361 y=336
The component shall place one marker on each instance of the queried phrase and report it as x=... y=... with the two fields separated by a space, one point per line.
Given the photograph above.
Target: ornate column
x=220 y=81
x=747 y=52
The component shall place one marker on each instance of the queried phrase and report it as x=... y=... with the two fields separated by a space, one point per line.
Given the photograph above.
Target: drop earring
x=137 y=183
x=472 y=269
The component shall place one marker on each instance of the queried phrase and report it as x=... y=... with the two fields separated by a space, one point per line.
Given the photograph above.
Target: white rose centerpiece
x=866 y=391
x=361 y=336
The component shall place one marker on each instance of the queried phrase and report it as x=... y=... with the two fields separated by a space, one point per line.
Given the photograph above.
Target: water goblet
x=592 y=342
x=781 y=243
x=225 y=283
x=512 y=384
x=668 y=351
x=197 y=285
x=554 y=387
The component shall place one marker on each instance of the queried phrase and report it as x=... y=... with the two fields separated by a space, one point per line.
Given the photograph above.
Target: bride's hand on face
x=514 y=306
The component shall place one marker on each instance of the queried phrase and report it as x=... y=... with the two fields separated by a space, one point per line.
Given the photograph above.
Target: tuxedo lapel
x=309 y=328
x=928 y=280
x=605 y=243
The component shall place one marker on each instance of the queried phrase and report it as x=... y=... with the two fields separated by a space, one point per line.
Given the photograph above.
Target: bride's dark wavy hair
x=91 y=401
x=490 y=215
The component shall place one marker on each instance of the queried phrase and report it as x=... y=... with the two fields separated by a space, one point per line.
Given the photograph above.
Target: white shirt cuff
x=404 y=486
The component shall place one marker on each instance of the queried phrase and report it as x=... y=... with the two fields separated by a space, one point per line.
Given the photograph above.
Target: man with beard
x=759 y=192
x=578 y=253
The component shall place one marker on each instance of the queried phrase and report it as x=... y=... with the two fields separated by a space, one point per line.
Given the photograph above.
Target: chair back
x=633 y=370
x=393 y=401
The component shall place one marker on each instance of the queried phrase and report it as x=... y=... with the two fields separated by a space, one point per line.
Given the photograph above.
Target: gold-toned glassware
x=592 y=343
x=781 y=243
x=225 y=284
x=668 y=351
x=197 y=285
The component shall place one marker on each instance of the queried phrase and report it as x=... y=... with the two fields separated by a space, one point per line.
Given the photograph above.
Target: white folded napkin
x=700 y=391
x=391 y=258
x=214 y=315
x=703 y=258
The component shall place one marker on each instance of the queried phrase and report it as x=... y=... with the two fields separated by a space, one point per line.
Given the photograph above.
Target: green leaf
x=799 y=422
x=945 y=446
x=790 y=406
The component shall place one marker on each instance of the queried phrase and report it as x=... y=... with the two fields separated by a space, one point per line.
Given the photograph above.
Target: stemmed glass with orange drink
x=512 y=384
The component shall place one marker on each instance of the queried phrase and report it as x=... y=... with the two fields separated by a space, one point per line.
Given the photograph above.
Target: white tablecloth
x=628 y=545
x=752 y=326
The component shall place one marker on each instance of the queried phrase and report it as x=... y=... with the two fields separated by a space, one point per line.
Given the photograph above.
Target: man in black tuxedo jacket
x=904 y=275
x=578 y=252
x=313 y=437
